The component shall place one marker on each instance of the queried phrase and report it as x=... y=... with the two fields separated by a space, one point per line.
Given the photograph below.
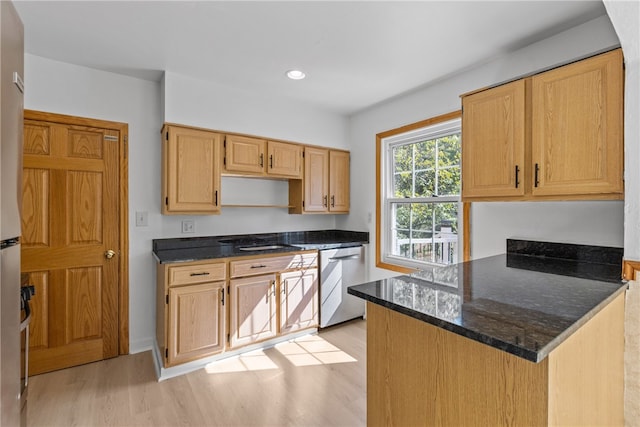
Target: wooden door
x=253 y=309
x=316 y=180
x=493 y=142
x=284 y=159
x=577 y=130
x=196 y=322
x=244 y=154
x=70 y=223
x=339 y=181
x=191 y=171
x=298 y=300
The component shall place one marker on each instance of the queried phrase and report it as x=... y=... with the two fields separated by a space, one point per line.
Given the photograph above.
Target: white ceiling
x=355 y=54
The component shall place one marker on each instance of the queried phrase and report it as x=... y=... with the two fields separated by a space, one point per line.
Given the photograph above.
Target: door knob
x=109 y=254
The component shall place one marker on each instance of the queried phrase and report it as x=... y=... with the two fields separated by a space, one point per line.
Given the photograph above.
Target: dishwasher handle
x=343 y=258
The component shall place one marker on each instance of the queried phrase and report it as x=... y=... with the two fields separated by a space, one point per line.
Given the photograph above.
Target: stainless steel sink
x=262 y=248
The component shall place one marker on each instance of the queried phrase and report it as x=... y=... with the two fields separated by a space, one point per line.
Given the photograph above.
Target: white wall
x=492 y=223
x=63 y=88
x=625 y=16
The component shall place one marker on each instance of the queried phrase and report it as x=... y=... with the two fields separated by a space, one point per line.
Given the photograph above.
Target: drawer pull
x=258 y=266
x=204 y=273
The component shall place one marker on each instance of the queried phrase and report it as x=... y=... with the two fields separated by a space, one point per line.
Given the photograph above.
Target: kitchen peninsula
x=533 y=337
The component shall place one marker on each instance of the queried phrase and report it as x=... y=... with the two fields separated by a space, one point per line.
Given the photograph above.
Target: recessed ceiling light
x=296 y=74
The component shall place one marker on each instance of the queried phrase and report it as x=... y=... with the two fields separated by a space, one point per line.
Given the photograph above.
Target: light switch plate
x=142 y=219
x=188 y=226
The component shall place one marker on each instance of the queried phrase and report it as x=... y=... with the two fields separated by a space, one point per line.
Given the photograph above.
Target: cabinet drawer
x=273 y=264
x=197 y=273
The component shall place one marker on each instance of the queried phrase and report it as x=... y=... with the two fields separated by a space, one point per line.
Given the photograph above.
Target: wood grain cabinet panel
x=577 y=133
x=325 y=185
x=493 y=161
x=191 y=315
x=284 y=159
x=191 y=171
x=557 y=135
x=196 y=322
x=254 y=157
x=298 y=300
x=253 y=309
x=244 y=154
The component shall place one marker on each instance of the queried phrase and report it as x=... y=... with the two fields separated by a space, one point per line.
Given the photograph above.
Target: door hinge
x=166 y=353
x=167 y=135
x=224 y=159
x=167 y=299
x=224 y=143
x=303 y=154
x=166 y=201
x=228 y=337
x=303 y=203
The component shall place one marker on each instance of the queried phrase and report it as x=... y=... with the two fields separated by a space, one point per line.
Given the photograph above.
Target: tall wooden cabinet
x=190 y=171
x=555 y=135
x=326 y=183
x=249 y=156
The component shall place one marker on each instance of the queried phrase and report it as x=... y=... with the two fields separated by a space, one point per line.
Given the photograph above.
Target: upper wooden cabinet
x=494 y=138
x=248 y=156
x=325 y=186
x=555 y=135
x=190 y=171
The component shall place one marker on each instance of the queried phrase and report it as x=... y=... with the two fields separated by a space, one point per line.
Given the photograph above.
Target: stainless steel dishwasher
x=339 y=269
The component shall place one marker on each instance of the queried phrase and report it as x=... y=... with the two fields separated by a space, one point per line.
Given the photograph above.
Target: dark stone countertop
x=212 y=247
x=523 y=302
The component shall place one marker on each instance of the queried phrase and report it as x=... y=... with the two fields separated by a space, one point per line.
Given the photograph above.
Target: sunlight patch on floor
x=304 y=351
x=312 y=350
x=252 y=361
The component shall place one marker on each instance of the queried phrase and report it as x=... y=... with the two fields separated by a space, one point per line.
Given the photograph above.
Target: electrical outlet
x=142 y=219
x=188 y=226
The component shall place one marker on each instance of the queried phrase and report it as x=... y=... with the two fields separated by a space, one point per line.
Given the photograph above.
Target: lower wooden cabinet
x=201 y=313
x=298 y=300
x=191 y=311
x=253 y=309
x=264 y=306
x=196 y=322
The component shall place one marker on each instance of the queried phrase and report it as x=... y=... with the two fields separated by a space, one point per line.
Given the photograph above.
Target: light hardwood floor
x=316 y=381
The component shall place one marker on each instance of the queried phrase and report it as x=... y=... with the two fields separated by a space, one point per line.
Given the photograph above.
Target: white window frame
x=425 y=133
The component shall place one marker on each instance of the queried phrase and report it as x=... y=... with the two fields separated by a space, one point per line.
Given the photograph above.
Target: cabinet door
x=284 y=159
x=191 y=171
x=577 y=130
x=196 y=322
x=339 y=181
x=244 y=154
x=316 y=180
x=298 y=300
x=253 y=309
x=493 y=139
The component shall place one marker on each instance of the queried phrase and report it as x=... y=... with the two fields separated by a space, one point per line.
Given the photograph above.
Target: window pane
x=402 y=185
x=425 y=154
x=449 y=181
x=425 y=183
x=422 y=246
x=422 y=217
x=445 y=249
x=402 y=158
x=449 y=151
